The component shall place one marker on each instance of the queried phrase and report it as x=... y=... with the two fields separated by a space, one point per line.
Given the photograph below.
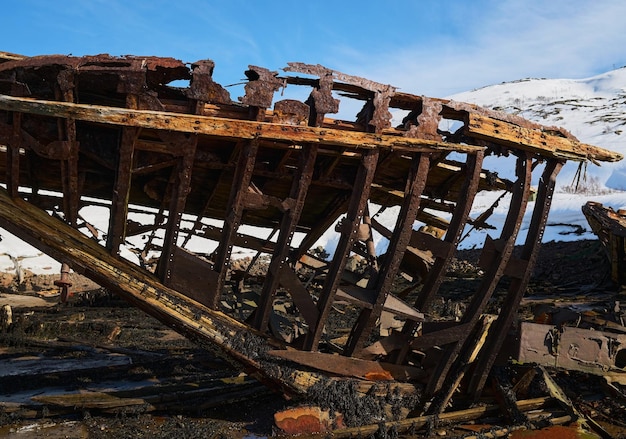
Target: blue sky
x=429 y=47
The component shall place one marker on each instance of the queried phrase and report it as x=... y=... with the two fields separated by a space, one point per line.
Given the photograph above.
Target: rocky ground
x=179 y=390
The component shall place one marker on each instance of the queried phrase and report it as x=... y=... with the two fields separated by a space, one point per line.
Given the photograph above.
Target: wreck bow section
x=209 y=176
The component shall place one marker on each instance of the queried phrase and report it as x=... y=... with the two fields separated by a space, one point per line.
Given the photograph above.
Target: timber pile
x=115 y=132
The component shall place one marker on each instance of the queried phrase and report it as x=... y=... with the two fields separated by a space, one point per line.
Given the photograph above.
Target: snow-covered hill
x=592 y=109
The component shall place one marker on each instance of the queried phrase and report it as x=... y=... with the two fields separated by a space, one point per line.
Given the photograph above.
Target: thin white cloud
x=427 y=47
x=504 y=41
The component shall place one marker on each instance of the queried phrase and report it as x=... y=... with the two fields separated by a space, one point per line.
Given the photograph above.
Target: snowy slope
x=592 y=109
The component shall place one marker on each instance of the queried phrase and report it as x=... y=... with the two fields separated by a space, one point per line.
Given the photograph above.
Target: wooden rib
x=13 y=155
x=240 y=184
x=178 y=199
x=119 y=205
x=397 y=246
x=518 y=285
x=227 y=128
x=297 y=195
x=488 y=284
x=69 y=167
x=349 y=230
x=453 y=235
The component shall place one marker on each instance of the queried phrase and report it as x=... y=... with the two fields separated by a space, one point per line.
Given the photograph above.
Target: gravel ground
x=151 y=360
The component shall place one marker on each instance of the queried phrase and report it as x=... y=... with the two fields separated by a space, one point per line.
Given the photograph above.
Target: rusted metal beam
x=519 y=283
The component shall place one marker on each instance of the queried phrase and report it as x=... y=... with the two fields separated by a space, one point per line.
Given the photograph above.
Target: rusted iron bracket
x=578 y=349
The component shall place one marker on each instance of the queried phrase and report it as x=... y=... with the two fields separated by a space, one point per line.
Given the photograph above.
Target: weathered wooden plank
x=346 y=366
x=417 y=423
x=226 y=128
x=535 y=141
x=215 y=330
x=88 y=400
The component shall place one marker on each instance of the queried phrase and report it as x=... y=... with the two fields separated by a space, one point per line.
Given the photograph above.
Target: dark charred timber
x=115 y=133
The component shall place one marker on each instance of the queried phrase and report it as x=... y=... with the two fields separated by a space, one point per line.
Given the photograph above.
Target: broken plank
x=88 y=400
x=416 y=423
x=534 y=140
x=347 y=366
x=226 y=128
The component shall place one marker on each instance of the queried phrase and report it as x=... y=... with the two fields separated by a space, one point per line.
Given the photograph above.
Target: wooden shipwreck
x=158 y=137
x=610 y=227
